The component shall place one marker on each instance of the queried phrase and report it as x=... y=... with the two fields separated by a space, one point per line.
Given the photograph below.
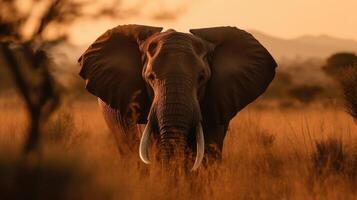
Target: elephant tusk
x=143 y=147
x=200 y=147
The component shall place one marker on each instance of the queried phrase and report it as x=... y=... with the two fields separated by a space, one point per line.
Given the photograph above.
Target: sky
x=280 y=18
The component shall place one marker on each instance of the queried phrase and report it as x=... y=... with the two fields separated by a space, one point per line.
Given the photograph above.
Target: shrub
x=305 y=93
x=282 y=81
x=338 y=62
x=328 y=157
x=348 y=81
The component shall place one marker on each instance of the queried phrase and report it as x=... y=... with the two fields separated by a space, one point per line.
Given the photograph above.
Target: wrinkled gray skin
x=176 y=71
x=175 y=86
x=187 y=79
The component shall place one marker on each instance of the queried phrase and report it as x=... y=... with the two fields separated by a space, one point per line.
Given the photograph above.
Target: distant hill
x=302 y=47
x=305 y=46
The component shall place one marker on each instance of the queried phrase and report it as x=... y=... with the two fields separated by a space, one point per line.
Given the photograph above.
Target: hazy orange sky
x=282 y=18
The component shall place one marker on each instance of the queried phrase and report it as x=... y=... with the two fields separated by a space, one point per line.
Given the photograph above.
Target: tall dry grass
x=302 y=153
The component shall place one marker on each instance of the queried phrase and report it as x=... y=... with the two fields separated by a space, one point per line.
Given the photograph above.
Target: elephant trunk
x=175 y=115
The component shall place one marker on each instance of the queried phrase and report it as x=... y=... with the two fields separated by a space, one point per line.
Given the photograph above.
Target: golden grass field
x=268 y=154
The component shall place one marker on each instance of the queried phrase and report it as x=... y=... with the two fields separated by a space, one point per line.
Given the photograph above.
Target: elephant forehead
x=175 y=52
x=172 y=36
x=177 y=41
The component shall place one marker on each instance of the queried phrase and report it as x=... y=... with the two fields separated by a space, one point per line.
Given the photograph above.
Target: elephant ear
x=112 y=69
x=241 y=69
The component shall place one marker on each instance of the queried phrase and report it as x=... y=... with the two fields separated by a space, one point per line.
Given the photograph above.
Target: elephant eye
x=151 y=48
x=208 y=57
x=150 y=76
x=201 y=79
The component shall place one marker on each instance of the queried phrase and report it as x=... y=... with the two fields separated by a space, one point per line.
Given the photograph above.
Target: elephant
x=186 y=87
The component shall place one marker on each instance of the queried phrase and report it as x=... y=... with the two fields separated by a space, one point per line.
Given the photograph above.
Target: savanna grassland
x=304 y=152
x=296 y=142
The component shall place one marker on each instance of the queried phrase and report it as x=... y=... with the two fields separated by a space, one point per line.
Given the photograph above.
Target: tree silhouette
x=23 y=42
x=348 y=82
x=338 y=62
x=23 y=46
x=343 y=68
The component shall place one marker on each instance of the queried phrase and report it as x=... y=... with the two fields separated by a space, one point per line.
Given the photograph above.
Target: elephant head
x=176 y=81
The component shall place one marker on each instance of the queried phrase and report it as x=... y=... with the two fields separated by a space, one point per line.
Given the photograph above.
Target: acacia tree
x=29 y=67
x=337 y=63
x=23 y=43
x=348 y=82
x=343 y=68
